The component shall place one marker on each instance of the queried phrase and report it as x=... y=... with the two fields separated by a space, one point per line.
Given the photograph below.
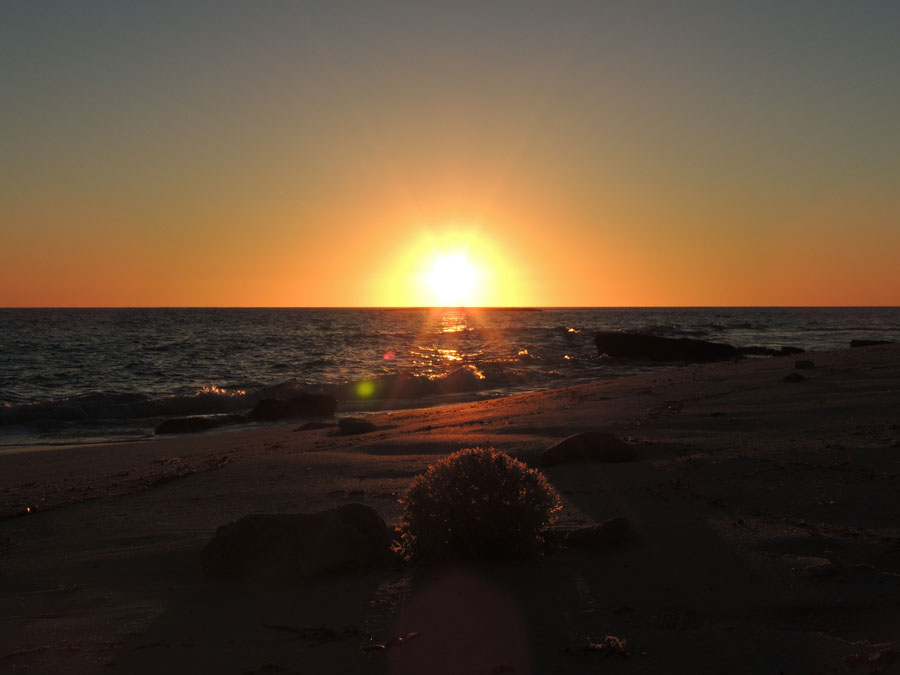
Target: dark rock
x=795 y=377
x=193 y=425
x=869 y=343
x=268 y=409
x=302 y=405
x=354 y=425
x=606 y=533
x=312 y=426
x=588 y=446
x=291 y=547
x=820 y=568
x=639 y=345
x=804 y=365
x=790 y=351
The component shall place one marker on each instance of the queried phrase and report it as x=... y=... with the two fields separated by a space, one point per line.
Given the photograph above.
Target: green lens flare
x=365 y=389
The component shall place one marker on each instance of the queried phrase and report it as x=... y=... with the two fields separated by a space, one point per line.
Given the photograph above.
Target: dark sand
x=765 y=538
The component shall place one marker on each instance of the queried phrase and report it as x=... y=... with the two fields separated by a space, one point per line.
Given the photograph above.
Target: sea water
x=89 y=375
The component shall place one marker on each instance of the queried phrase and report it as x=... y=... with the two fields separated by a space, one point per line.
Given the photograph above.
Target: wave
x=672 y=330
x=408 y=385
x=105 y=406
x=319 y=363
x=114 y=407
x=848 y=329
x=701 y=330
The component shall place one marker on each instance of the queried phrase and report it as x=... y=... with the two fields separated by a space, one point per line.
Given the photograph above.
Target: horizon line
x=430 y=307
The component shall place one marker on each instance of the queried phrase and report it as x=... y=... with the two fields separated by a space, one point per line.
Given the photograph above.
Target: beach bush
x=477 y=503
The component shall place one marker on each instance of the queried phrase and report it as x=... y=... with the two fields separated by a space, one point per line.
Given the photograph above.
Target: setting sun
x=453 y=280
x=451 y=266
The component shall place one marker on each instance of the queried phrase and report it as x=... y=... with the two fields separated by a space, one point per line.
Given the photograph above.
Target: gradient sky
x=320 y=154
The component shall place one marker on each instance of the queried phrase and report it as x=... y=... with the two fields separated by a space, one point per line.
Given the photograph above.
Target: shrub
x=477 y=503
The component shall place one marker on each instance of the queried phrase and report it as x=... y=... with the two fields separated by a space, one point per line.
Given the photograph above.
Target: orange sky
x=315 y=157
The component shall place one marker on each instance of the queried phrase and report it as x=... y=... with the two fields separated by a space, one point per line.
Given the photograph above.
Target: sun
x=451 y=266
x=453 y=280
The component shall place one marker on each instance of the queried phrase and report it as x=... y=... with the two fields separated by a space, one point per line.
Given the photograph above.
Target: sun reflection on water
x=454 y=321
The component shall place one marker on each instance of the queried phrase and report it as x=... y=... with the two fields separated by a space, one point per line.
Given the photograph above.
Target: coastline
x=746 y=485
x=103 y=376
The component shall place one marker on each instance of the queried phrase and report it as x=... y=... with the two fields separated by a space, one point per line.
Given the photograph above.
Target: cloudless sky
x=321 y=153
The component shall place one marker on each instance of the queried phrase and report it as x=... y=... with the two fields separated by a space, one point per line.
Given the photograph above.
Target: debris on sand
x=389 y=644
x=611 y=645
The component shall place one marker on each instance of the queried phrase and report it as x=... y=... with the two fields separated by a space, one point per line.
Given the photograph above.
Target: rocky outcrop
x=588 y=446
x=313 y=426
x=354 y=425
x=869 y=343
x=292 y=547
x=302 y=405
x=642 y=346
x=196 y=424
x=790 y=351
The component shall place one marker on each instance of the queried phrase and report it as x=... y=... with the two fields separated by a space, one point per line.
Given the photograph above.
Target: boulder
x=869 y=343
x=291 y=547
x=354 y=425
x=588 y=446
x=196 y=424
x=790 y=351
x=607 y=533
x=642 y=346
x=312 y=426
x=302 y=405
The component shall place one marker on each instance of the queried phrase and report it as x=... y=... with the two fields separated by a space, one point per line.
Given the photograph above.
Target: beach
x=763 y=537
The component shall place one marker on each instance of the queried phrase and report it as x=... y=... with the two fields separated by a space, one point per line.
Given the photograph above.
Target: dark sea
x=90 y=375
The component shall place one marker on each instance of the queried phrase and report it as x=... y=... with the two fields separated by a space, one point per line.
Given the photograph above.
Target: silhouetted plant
x=477 y=503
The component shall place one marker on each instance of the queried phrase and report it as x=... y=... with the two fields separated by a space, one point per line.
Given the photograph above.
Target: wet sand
x=764 y=538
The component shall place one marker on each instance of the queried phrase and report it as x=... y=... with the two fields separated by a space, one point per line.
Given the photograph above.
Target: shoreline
x=761 y=510
x=357 y=408
x=90 y=377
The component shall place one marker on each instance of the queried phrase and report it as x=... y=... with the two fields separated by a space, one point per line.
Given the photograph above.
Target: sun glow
x=449 y=267
x=453 y=280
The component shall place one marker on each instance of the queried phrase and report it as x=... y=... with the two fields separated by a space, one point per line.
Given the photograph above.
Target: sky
x=410 y=153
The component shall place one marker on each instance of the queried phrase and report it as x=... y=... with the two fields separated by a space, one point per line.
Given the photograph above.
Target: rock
x=869 y=343
x=354 y=425
x=819 y=568
x=607 y=533
x=804 y=365
x=639 y=345
x=588 y=446
x=302 y=405
x=885 y=655
x=193 y=425
x=312 y=426
x=291 y=547
x=795 y=377
x=790 y=351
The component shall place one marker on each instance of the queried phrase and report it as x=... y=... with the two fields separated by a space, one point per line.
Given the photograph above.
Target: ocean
x=70 y=376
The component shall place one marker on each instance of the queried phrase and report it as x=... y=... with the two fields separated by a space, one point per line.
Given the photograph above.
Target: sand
x=764 y=538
